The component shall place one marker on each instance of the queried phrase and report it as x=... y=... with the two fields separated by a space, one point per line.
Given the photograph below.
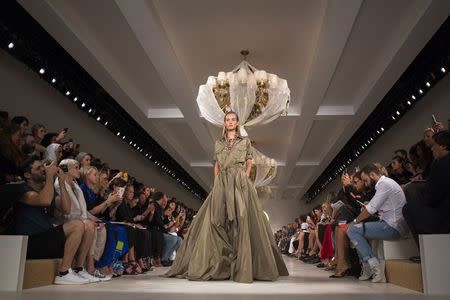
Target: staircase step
x=404 y=273
x=40 y=272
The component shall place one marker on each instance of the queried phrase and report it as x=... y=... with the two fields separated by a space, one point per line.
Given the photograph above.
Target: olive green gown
x=230 y=237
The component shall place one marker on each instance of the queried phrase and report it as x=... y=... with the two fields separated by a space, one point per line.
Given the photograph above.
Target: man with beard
x=388 y=202
x=33 y=218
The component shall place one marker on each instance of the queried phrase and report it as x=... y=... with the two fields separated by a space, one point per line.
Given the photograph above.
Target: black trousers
x=423 y=219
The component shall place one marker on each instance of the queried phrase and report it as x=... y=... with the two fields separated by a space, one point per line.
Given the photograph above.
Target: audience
x=70 y=207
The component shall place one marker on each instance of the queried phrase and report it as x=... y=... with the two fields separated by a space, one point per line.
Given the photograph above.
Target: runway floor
x=304 y=280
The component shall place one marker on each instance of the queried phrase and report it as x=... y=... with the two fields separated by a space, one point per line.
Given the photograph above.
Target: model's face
x=231 y=122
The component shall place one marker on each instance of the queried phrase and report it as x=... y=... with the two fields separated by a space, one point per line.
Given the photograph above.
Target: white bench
x=434 y=250
x=13 y=254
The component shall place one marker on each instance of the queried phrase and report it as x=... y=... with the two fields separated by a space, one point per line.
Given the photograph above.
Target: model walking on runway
x=230 y=237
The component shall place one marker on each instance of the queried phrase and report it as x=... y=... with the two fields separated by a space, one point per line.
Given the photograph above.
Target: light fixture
x=413 y=97
x=382 y=129
x=398 y=113
x=420 y=91
x=409 y=102
x=106 y=123
x=118 y=133
x=443 y=70
x=393 y=118
x=67 y=93
x=90 y=110
x=123 y=137
x=11 y=45
x=75 y=99
x=131 y=142
x=428 y=84
x=83 y=104
x=98 y=118
x=42 y=71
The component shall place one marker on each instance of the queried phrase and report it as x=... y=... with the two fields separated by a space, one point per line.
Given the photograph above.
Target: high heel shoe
x=343 y=274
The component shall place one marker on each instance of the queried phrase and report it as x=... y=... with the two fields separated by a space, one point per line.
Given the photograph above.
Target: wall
x=405 y=132
x=24 y=93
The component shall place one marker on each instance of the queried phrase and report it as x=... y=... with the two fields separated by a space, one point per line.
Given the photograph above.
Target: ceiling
x=339 y=57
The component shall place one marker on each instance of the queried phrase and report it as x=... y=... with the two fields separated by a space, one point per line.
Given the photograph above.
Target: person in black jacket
x=428 y=204
x=171 y=242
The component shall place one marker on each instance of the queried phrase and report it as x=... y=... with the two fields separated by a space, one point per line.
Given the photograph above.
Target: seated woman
x=399 y=172
x=139 y=254
x=96 y=207
x=421 y=158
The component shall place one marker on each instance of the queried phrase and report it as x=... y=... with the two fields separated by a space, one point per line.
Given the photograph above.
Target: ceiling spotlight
x=420 y=91
x=42 y=71
x=371 y=139
x=413 y=97
x=83 y=104
x=11 y=45
x=146 y=155
x=67 y=93
x=98 y=118
x=428 y=84
x=90 y=110
x=123 y=137
x=106 y=123
x=378 y=131
x=382 y=129
x=393 y=118
x=443 y=70
x=75 y=99
x=131 y=142
x=53 y=80
x=134 y=145
x=398 y=113
x=409 y=102
x=118 y=133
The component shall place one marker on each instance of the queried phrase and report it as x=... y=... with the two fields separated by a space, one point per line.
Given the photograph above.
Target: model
x=230 y=237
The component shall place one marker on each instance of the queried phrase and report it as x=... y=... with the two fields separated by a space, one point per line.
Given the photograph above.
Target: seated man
x=428 y=204
x=33 y=219
x=388 y=201
x=171 y=242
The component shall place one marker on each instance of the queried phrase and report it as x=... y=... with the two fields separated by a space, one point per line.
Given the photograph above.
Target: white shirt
x=388 y=201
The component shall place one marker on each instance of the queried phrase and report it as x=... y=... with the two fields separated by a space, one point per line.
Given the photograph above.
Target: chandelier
x=256 y=96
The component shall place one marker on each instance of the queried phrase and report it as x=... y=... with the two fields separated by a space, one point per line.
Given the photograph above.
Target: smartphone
x=121 y=191
x=64 y=168
x=434 y=119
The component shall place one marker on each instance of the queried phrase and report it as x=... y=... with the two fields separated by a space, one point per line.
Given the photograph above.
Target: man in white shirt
x=388 y=202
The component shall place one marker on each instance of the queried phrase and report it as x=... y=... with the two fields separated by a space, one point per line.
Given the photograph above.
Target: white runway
x=305 y=280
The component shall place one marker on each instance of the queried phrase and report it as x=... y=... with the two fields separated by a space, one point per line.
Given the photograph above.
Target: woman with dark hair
x=22 y=122
x=10 y=154
x=399 y=172
x=421 y=158
x=38 y=131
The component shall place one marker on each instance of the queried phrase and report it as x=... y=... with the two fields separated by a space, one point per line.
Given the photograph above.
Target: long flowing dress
x=230 y=237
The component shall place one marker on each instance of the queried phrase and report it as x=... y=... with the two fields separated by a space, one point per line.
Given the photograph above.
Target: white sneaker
x=366 y=272
x=70 y=278
x=101 y=276
x=377 y=271
x=84 y=274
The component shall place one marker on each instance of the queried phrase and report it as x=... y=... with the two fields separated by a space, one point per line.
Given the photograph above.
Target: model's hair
x=229 y=113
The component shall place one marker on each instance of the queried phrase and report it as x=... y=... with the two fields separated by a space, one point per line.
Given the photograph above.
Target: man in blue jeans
x=171 y=242
x=388 y=202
